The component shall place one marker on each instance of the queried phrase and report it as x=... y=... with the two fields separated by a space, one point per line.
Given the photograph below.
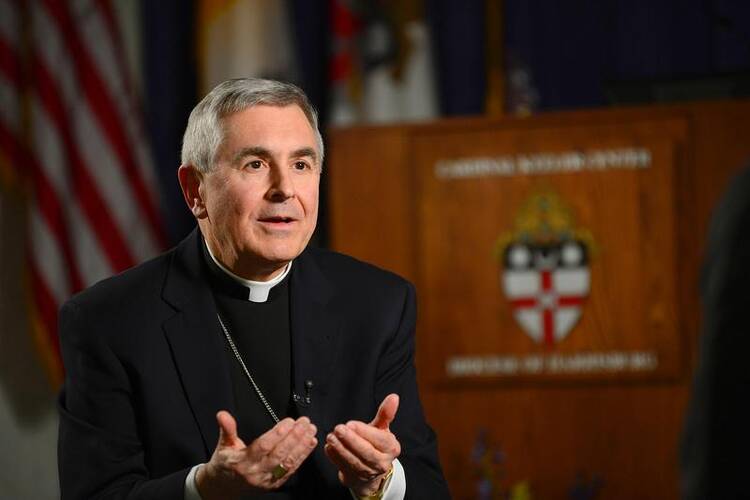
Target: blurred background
x=94 y=98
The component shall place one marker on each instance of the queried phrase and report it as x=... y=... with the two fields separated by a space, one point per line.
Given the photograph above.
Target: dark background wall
x=556 y=55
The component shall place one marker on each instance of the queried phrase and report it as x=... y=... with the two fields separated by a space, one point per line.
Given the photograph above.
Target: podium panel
x=556 y=260
x=550 y=253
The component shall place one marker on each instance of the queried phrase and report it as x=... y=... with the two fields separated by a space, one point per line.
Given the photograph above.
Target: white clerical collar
x=257 y=290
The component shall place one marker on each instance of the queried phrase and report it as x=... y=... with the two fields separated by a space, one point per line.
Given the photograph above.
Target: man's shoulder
x=129 y=287
x=345 y=270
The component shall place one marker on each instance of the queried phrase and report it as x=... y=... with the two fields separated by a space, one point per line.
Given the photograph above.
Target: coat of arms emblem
x=545 y=268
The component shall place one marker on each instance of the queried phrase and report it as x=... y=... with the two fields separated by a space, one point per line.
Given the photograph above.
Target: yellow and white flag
x=244 y=38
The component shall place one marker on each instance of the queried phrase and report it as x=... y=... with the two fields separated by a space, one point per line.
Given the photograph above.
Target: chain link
x=247 y=372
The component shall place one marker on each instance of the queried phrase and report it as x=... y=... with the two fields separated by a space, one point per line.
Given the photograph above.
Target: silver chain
x=247 y=372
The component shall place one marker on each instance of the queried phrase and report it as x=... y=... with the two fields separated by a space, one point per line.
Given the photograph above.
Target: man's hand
x=364 y=453
x=236 y=469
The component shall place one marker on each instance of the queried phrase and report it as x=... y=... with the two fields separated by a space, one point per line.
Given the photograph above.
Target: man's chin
x=279 y=257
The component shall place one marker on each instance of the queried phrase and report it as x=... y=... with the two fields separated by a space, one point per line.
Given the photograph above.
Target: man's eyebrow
x=264 y=153
x=309 y=152
x=258 y=151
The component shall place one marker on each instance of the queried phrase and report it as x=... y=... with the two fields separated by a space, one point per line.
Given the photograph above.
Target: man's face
x=261 y=196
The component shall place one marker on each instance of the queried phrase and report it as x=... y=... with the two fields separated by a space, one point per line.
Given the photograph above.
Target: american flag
x=71 y=132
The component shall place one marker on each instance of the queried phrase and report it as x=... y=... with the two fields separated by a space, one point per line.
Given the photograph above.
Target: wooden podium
x=556 y=260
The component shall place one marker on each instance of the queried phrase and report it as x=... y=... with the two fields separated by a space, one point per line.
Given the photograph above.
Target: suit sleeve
x=397 y=373
x=100 y=454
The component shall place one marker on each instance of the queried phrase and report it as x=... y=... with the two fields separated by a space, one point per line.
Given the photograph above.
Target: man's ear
x=191 y=179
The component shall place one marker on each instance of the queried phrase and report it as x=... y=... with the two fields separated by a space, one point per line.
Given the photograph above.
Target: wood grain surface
x=388 y=207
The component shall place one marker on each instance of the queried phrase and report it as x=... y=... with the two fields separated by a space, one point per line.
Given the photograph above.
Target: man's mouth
x=277 y=220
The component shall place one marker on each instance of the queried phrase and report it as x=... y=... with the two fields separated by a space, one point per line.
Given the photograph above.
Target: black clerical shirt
x=261 y=333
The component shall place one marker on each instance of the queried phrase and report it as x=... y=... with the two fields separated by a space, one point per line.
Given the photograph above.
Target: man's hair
x=205 y=129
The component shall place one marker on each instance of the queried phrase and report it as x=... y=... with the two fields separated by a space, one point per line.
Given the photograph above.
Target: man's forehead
x=264 y=112
x=270 y=128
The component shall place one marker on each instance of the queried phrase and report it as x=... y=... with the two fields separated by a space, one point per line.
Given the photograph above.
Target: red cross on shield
x=547 y=302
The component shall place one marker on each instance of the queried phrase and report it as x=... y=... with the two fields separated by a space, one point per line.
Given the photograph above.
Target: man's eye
x=255 y=164
x=301 y=165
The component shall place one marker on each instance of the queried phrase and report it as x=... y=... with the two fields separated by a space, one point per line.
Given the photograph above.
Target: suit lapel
x=198 y=352
x=315 y=329
x=192 y=333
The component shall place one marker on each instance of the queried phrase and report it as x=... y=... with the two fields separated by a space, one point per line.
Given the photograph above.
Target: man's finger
x=346 y=460
x=227 y=430
x=335 y=457
x=266 y=442
x=363 y=449
x=297 y=455
x=386 y=412
x=382 y=440
x=292 y=450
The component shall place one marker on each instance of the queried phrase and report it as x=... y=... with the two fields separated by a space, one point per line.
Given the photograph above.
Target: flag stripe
x=10 y=147
x=93 y=205
x=103 y=108
x=101 y=37
x=83 y=155
x=91 y=258
x=10 y=83
x=47 y=201
x=47 y=213
x=9 y=22
x=95 y=36
x=96 y=153
x=48 y=257
x=52 y=185
x=111 y=26
x=9 y=63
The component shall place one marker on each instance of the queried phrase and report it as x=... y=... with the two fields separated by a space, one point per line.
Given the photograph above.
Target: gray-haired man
x=298 y=362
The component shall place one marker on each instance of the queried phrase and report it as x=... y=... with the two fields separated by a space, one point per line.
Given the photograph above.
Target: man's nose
x=282 y=185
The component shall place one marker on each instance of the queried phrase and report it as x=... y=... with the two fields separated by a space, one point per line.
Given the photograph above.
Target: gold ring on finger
x=278 y=472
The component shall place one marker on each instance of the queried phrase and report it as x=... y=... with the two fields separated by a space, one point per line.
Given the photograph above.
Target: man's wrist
x=384 y=482
x=205 y=486
x=191 y=489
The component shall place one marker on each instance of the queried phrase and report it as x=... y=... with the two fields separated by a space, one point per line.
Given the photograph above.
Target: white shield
x=546 y=296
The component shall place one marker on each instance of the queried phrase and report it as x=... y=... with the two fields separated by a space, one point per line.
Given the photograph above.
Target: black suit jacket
x=146 y=373
x=716 y=439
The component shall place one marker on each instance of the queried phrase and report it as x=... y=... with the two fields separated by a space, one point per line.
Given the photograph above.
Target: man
x=716 y=439
x=242 y=364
